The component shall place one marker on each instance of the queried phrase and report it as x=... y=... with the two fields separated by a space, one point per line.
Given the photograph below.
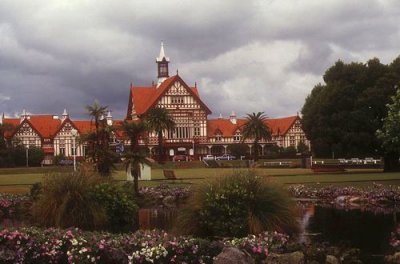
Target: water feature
x=368 y=231
x=157 y=218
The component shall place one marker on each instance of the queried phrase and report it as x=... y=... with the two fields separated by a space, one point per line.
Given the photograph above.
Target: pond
x=370 y=232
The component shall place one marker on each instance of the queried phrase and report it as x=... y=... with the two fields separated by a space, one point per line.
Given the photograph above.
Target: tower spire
x=162 y=65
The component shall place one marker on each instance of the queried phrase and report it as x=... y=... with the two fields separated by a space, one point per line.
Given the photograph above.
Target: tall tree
x=134 y=159
x=6 y=150
x=390 y=135
x=255 y=128
x=159 y=120
x=341 y=116
x=99 y=139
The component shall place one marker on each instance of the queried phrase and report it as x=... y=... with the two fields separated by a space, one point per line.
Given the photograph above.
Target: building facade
x=194 y=134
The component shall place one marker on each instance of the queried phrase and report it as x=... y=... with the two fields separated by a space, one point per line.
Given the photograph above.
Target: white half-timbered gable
x=27 y=135
x=64 y=141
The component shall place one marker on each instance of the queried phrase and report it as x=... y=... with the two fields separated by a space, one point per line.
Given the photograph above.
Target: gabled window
x=218 y=135
x=237 y=136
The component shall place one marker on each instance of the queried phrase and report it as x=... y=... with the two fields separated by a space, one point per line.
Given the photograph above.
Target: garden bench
x=328 y=168
x=170 y=175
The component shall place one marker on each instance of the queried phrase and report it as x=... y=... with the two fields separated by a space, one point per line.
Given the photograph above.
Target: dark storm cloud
x=245 y=55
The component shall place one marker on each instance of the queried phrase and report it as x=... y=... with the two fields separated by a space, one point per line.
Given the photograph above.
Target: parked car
x=370 y=160
x=226 y=157
x=66 y=162
x=208 y=157
x=356 y=161
x=180 y=158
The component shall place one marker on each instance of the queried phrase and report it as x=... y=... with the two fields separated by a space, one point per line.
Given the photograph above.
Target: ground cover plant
x=237 y=205
x=34 y=245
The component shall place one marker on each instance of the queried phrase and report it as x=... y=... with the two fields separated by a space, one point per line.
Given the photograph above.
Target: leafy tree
x=342 y=115
x=390 y=134
x=35 y=156
x=99 y=140
x=255 y=128
x=158 y=120
x=6 y=159
x=238 y=149
x=302 y=147
x=134 y=158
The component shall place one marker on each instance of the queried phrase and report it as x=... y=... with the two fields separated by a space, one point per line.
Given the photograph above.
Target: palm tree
x=97 y=111
x=158 y=119
x=256 y=128
x=133 y=158
x=101 y=153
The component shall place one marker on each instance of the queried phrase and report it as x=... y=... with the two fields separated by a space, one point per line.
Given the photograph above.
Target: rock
x=393 y=259
x=231 y=255
x=169 y=201
x=288 y=258
x=331 y=260
x=341 y=199
x=355 y=199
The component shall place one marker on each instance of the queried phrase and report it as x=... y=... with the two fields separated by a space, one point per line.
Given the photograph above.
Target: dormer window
x=237 y=136
x=218 y=135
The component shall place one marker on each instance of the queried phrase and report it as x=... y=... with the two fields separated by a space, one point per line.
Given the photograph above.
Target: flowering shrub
x=154 y=196
x=395 y=239
x=261 y=245
x=33 y=245
x=11 y=204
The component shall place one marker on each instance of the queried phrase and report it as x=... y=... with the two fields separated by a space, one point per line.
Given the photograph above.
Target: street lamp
x=27 y=155
x=74 y=133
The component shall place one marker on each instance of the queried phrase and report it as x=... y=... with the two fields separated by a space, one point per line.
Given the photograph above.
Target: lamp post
x=74 y=133
x=27 y=155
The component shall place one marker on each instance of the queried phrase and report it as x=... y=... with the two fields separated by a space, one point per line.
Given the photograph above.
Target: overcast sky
x=246 y=56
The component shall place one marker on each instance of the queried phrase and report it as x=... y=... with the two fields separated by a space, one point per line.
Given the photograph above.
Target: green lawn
x=19 y=180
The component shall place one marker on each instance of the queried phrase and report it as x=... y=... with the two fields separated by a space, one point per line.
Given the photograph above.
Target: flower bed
x=377 y=198
x=33 y=245
x=10 y=205
x=162 y=195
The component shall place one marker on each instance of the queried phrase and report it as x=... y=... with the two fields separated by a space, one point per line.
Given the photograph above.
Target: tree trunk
x=391 y=162
x=255 y=145
x=160 y=148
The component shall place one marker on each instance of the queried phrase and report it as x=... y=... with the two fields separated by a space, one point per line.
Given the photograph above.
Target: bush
x=237 y=205
x=65 y=201
x=120 y=207
x=83 y=200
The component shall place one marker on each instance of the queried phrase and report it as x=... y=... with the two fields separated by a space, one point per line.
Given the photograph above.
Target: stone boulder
x=393 y=259
x=331 y=260
x=288 y=258
x=232 y=255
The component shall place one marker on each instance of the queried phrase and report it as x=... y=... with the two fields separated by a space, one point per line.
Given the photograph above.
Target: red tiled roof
x=46 y=125
x=143 y=98
x=281 y=125
x=84 y=126
x=277 y=125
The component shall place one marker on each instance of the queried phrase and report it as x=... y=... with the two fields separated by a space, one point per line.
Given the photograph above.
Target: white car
x=209 y=157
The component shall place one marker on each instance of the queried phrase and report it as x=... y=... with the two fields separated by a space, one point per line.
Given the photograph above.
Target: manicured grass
x=20 y=179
